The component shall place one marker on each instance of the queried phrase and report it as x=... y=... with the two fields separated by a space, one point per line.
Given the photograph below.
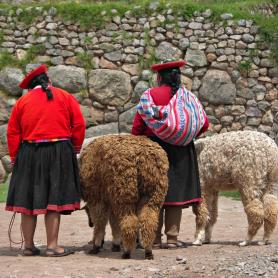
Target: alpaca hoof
x=265 y=242
x=95 y=250
x=206 y=241
x=243 y=243
x=115 y=248
x=126 y=255
x=149 y=255
x=197 y=242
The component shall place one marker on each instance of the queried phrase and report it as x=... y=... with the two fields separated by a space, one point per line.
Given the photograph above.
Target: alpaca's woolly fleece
x=246 y=161
x=124 y=178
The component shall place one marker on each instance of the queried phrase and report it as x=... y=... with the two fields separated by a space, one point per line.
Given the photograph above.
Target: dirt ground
x=222 y=258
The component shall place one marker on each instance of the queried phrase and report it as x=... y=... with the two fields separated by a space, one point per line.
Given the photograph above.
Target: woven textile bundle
x=177 y=123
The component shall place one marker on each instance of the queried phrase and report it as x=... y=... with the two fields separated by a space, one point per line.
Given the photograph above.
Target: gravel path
x=222 y=258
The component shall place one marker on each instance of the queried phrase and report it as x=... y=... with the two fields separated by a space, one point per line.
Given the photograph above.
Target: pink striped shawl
x=177 y=123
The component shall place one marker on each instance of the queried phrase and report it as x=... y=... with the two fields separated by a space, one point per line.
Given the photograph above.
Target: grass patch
x=7 y=59
x=231 y=194
x=90 y=14
x=1 y=36
x=3 y=192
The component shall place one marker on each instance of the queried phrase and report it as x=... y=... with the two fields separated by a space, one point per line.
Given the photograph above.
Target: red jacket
x=35 y=118
x=161 y=96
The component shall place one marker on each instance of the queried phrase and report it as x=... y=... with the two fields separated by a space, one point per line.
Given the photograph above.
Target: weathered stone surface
x=166 y=50
x=110 y=87
x=217 y=88
x=140 y=87
x=126 y=120
x=132 y=69
x=237 y=110
x=226 y=120
x=3 y=141
x=253 y=121
x=111 y=128
x=247 y=101
x=69 y=78
x=6 y=161
x=92 y=115
x=187 y=82
x=103 y=63
x=2 y=172
x=114 y=56
x=253 y=112
x=9 y=80
x=268 y=118
x=184 y=43
x=264 y=105
x=111 y=116
x=196 y=58
x=4 y=114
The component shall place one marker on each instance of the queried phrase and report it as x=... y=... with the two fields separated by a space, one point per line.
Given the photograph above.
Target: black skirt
x=45 y=178
x=184 y=183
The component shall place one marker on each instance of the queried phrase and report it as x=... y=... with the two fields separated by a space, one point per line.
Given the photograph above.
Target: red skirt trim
x=70 y=207
x=196 y=200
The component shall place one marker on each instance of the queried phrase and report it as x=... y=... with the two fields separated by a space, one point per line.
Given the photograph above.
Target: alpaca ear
x=199 y=145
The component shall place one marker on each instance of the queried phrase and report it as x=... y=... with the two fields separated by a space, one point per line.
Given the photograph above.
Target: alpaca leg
x=99 y=215
x=148 y=219
x=202 y=217
x=212 y=202
x=116 y=233
x=255 y=217
x=270 y=203
x=129 y=224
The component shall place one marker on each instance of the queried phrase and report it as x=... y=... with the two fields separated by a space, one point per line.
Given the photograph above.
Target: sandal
x=31 y=251
x=178 y=244
x=157 y=245
x=53 y=253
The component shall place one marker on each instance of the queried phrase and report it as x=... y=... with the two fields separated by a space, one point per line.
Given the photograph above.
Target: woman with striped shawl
x=172 y=116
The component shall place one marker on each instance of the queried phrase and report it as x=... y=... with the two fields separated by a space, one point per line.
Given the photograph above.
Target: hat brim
x=25 y=82
x=169 y=65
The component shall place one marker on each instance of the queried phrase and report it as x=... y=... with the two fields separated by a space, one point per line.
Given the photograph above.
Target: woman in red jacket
x=45 y=131
x=184 y=184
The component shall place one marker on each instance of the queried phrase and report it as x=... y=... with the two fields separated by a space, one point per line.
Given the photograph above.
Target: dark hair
x=41 y=80
x=171 y=77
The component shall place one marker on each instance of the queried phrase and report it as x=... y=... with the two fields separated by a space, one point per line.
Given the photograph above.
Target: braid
x=171 y=77
x=43 y=81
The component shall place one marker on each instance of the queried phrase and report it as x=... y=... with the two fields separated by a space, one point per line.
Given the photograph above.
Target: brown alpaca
x=124 y=179
x=246 y=161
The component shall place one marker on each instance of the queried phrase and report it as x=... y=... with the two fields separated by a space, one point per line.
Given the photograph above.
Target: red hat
x=24 y=84
x=168 y=65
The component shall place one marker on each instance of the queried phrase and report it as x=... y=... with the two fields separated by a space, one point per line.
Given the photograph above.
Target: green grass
x=89 y=13
x=7 y=59
x=3 y=192
x=231 y=194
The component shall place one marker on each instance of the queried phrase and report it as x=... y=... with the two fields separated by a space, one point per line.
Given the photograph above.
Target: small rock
x=113 y=268
x=274 y=260
x=153 y=269
x=179 y=258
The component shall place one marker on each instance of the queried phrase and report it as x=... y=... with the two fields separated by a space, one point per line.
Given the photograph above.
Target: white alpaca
x=246 y=161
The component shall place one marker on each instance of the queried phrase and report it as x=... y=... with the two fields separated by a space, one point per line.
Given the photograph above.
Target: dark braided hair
x=41 y=80
x=171 y=77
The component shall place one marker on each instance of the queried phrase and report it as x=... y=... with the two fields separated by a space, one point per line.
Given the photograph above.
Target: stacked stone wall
x=228 y=67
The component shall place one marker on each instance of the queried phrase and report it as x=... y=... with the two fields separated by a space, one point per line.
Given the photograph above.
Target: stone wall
x=229 y=68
